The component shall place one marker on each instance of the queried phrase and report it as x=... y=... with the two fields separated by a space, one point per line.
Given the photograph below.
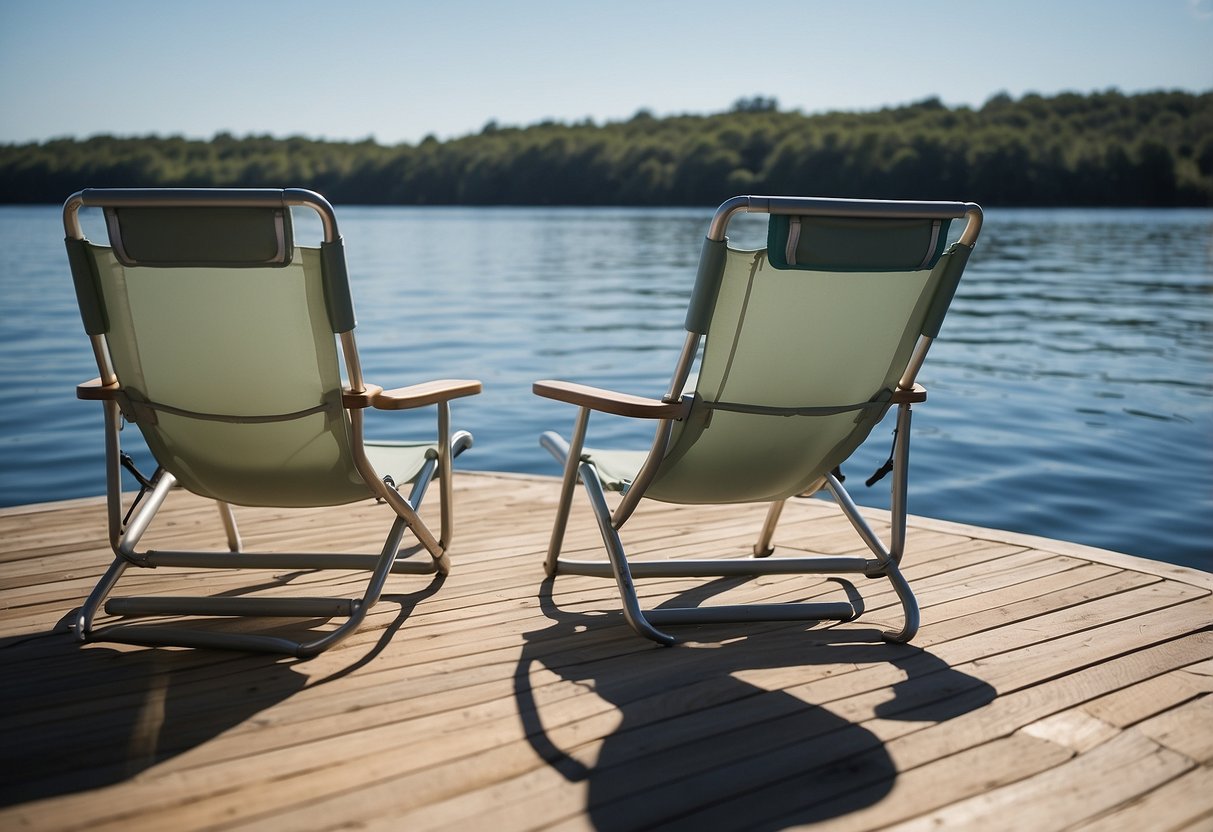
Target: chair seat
x=616 y=468
x=402 y=461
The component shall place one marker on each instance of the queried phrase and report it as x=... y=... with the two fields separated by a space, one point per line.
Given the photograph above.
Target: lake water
x=1071 y=389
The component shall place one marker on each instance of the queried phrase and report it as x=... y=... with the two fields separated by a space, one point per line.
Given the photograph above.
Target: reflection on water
x=1071 y=390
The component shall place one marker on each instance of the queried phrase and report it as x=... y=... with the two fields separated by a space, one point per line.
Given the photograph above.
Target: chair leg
x=897 y=537
x=446 y=524
x=570 y=455
x=888 y=563
x=387 y=556
x=229 y=527
x=143 y=518
x=455 y=444
x=632 y=612
x=113 y=473
x=901 y=466
x=909 y=606
x=763 y=547
x=87 y=611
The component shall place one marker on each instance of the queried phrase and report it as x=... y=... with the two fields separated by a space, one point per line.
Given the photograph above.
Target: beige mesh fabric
x=249 y=342
x=616 y=468
x=790 y=339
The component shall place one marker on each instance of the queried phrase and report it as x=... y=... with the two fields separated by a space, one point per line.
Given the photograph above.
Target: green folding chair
x=216 y=336
x=806 y=345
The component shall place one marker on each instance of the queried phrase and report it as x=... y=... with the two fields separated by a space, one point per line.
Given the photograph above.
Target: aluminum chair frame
x=673 y=406
x=357 y=395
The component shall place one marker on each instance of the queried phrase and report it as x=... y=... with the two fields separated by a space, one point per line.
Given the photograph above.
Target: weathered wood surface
x=1052 y=686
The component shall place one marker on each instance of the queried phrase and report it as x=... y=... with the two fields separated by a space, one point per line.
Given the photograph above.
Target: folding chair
x=806 y=345
x=216 y=336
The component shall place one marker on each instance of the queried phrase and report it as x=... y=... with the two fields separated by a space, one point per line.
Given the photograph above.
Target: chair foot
x=909 y=606
x=640 y=623
x=763 y=547
x=443 y=563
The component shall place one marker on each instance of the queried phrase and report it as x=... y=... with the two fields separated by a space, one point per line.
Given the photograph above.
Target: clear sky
x=397 y=71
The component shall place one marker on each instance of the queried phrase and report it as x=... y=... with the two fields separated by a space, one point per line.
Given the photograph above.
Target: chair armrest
x=916 y=394
x=94 y=391
x=428 y=392
x=356 y=401
x=608 y=401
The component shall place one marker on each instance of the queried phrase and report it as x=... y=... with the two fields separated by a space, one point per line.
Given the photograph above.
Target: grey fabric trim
x=136 y=407
x=932 y=245
x=755 y=265
x=707 y=285
x=789 y=252
x=764 y=410
x=88 y=286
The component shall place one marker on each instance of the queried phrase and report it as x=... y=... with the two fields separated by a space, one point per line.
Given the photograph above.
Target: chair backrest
x=222 y=334
x=806 y=341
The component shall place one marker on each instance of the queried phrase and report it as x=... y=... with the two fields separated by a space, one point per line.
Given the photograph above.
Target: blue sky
x=397 y=71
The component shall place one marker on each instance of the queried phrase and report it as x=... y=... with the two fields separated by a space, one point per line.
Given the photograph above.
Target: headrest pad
x=200 y=236
x=854 y=244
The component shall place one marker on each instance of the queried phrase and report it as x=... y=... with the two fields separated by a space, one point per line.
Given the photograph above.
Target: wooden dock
x=1052 y=686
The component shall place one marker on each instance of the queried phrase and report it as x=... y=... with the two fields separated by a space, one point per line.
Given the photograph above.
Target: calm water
x=1071 y=390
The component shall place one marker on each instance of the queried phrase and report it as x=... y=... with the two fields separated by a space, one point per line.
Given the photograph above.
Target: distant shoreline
x=1070 y=150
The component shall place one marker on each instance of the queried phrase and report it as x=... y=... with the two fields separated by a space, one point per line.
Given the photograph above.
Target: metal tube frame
x=763 y=547
x=124 y=541
x=886 y=562
x=570 y=455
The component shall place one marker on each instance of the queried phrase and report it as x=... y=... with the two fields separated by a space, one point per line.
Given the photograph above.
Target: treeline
x=1070 y=149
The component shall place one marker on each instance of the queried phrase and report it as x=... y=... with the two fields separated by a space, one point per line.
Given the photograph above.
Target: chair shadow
x=699 y=747
x=78 y=717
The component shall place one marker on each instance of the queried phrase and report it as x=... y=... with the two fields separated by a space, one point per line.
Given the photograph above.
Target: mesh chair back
x=801 y=357
x=230 y=368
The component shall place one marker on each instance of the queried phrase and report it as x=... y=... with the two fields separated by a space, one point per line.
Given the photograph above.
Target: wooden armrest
x=428 y=392
x=916 y=394
x=608 y=401
x=354 y=401
x=94 y=391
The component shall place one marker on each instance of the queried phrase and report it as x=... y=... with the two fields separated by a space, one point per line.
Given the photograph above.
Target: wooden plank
x=1184 y=803
x=1114 y=773
x=1187 y=729
x=1126 y=707
x=1073 y=729
x=1161 y=569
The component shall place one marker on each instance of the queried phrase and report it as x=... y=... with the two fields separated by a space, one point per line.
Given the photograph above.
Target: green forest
x=1098 y=149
